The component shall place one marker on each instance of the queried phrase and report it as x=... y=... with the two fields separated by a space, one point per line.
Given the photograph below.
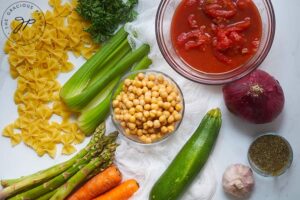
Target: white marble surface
x=235 y=135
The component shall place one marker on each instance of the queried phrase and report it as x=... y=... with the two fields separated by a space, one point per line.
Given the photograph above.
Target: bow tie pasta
x=36 y=66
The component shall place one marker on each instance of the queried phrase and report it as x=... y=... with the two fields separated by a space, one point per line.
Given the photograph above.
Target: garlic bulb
x=238 y=180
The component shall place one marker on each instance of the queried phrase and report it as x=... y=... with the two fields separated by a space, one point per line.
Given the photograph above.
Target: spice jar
x=270 y=155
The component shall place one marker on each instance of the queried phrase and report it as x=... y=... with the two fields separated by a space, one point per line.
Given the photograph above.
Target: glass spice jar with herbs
x=270 y=155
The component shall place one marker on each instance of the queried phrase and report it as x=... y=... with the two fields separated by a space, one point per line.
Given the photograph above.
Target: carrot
x=99 y=184
x=121 y=192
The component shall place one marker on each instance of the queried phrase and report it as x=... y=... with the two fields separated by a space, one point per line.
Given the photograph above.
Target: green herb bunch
x=106 y=16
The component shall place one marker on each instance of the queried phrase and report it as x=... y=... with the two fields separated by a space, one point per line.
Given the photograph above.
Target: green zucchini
x=190 y=160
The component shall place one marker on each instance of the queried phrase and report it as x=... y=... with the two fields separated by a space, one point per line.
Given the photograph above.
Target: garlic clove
x=238 y=180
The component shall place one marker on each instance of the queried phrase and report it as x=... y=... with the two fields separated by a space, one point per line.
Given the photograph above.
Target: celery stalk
x=90 y=118
x=80 y=80
x=79 y=101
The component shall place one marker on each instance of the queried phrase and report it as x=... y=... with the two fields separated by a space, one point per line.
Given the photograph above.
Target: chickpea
x=136 y=102
x=132 y=111
x=145 y=89
x=148 y=94
x=138 y=84
x=117 y=117
x=177 y=117
x=134 y=90
x=171 y=109
x=156 y=124
x=123 y=124
x=131 y=126
x=174 y=94
x=164 y=95
x=130 y=88
x=129 y=104
x=164 y=129
x=143 y=138
x=132 y=119
x=127 y=131
x=151 y=130
x=155 y=94
x=171 y=128
x=142 y=102
x=150 y=84
x=115 y=103
x=153 y=100
x=145 y=126
x=139 y=108
x=151 y=77
x=159 y=113
x=138 y=123
x=117 y=110
x=169 y=89
x=148 y=99
x=148 y=140
x=150 y=124
x=162 y=118
x=131 y=96
x=170 y=98
x=153 y=113
x=178 y=107
x=154 y=88
x=158 y=136
x=171 y=119
x=160 y=78
x=167 y=105
x=121 y=117
x=141 y=76
x=139 y=92
x=153 y=137
x=154 y=106
x=173 y=103
x=146 y=113
x=119 y=98
x=160 y=104
x=144 y=119
x=127 y=82
x=166 y=113
x=178 y=99
x=133 y=131
x=144 y=83
x=139 y=132
x=147 y=107
x=138 y=115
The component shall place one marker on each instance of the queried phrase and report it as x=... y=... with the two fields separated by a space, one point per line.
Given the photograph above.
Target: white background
x=235 y=136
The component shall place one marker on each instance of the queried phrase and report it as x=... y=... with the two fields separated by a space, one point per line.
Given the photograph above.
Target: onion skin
x=257 y=97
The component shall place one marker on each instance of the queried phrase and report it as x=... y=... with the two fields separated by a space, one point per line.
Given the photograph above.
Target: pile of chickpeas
x=148 y=107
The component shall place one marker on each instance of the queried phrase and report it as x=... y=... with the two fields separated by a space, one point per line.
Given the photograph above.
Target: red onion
x=257 y=98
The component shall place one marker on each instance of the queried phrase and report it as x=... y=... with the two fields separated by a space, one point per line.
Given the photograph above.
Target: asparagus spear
x=47 y=196
x=27 y=182
x=106 y=157
x=62 y=178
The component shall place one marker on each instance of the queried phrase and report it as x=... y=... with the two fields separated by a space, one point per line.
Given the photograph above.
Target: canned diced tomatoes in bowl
x=215 y=41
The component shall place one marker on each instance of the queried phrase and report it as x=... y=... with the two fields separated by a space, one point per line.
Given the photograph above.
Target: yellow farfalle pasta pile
x=37 y=55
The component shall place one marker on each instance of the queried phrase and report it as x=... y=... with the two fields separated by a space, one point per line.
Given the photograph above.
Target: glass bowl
x=164 y=17
x=117 y=90
x=264 y=173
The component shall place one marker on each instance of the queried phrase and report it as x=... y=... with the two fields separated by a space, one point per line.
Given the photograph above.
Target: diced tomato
x=220 y=8
x=228 y=36
x=243 y=4
x=191 y=2
x=192 y=21
x=194 y=38
x=221 y=57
